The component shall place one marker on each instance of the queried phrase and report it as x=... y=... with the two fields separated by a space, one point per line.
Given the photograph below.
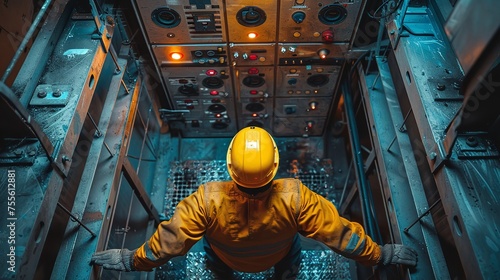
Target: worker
x=253 y=222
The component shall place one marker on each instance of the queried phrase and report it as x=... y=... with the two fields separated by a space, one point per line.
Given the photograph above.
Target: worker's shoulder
x=287 y=185
x=287 y=181
x=217 y=186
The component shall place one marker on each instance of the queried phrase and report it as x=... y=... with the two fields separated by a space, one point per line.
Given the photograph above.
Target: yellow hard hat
x=252 y=157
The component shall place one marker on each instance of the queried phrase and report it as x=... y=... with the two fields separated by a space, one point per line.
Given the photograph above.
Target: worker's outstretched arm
x=172 y=238
x=319 y=219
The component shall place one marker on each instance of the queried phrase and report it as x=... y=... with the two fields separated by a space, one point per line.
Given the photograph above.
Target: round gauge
x=254 y=107
x=216 y=108
x=317 y=80
x=188 y=89
x=253 y=81
x=165 y=17
x=213 y=82
x=332 y=14
x=251 y=16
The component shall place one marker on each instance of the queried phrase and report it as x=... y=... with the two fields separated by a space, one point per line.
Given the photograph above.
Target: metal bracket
x=50 y=150
x=51 y=95
x=469 y=146
x=20 y=152
x=476 y=146
x=445 y=89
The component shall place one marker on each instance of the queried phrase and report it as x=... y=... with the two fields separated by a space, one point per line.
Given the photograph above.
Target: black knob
x=188 y=90
x=298 y=17
x=251 y=15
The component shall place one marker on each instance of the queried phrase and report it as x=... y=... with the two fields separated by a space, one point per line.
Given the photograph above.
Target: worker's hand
x=115 y=259
x=398 y=254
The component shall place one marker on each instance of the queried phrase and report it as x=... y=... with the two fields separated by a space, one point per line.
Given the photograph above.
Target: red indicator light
x=253 y=71
x=176 y=55
x=327 y=36
x=214 y=92
x=218 y=115
x=253 y=92
x=211 y=72
x=255 y=115
x=253 y=57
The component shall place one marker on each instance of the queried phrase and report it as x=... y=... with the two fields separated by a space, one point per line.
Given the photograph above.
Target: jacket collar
x=255 y=192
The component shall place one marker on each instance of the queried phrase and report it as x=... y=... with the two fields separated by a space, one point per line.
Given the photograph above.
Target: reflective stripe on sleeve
x=149 y=253
x=351 y=245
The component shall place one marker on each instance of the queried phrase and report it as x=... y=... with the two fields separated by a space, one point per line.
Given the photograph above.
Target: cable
x=381 y=6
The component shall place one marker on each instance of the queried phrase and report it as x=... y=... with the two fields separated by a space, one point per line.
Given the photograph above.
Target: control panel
x=230 y=64
x=183 y=21
x=318 y=21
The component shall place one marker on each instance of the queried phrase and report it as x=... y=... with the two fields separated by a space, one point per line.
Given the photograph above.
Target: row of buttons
x=252 y=56
x=305 y=91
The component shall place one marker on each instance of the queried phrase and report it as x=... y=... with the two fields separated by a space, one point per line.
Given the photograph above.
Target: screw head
x=440 y=87
x=42 y=94
x=432 y=155
x=472 y=141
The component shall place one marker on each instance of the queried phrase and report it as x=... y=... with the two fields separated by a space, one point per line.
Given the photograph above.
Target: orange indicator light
x=176 y=55
x=252 y=35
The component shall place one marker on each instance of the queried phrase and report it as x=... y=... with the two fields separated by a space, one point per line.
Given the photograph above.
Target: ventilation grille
x=204 y=24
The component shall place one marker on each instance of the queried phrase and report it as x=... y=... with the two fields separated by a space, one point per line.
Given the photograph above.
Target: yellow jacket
x=252 y=233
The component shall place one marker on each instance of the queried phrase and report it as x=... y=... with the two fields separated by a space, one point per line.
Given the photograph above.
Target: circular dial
x=213 y=82
x=253 y=81
x=216 y=108
x=254 y=107
x=165 y=17
x=251 y=16
x=188 y=89
x=298 y=17
x=332 y=14
x=317 y=80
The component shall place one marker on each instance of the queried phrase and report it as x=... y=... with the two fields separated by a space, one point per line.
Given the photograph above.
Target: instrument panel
x=272 y=64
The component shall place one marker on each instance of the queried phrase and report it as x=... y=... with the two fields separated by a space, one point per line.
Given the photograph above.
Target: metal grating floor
x=185 y=178
x=318 y=262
